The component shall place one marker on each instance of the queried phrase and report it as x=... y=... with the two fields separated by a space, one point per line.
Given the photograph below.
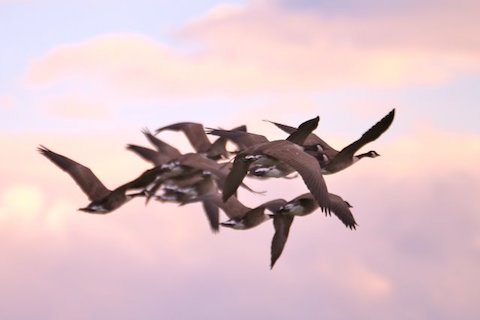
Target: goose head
x=372 y=154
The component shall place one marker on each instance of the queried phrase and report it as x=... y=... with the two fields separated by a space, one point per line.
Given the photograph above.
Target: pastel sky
x=83 y=79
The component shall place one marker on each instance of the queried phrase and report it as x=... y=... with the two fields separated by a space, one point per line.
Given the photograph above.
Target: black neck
x=362 y=155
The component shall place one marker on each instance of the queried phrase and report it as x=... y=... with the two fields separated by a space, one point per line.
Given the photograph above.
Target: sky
x=85 y=78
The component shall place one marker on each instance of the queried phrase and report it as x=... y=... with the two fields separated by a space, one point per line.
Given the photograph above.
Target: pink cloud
x=75 y=108
x=255 y=48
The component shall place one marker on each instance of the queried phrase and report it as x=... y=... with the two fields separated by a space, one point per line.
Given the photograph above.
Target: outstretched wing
x=235 y=177
x=164 y=148
x=83 y=176
x=241 y=138
x=312 y=139
x=194 y=132
x=153 y=156
x=372 y=134
x=304 y=130
x=342 y=211
x=282 y=225
x=212 y=212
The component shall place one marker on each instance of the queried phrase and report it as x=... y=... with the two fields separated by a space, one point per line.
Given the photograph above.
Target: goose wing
x=83 y=176
x=341 y=209
x=274 y=205
x=164 y=148
x=242 y=139
x=304 y=130
x=282 y=224
x=306 y=165
x=370 y=135
x=218 y=147
x=212 y=213
x=235 y=177
x=254 y=217
x=197 y=161
x=153 y=156
x=312 y=139
x=233 y=208
x=221 y=171
x=195 y=134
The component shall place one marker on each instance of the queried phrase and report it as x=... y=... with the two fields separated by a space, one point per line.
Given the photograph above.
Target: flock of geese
x=211 y=177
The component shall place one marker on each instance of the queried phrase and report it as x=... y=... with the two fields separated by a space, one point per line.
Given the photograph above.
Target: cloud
x=75 y=108
x=367 y=284
x=7 y=101
x=266 y=48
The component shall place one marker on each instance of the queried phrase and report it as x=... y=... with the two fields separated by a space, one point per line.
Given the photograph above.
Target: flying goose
x=163 y=153
x=187 y=165
x=182 y=176
x=292 y=157
x=186 y=188
x=102 y=199
x=332 y=160
x=240 y=216
x=301 y=206
x=195 y=133
x=244 y=139
x=263 y=167
x=179 y=180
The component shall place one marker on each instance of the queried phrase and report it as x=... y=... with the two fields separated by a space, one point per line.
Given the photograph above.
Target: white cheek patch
x=97 y=208
x=262 y=169
x=237 y=225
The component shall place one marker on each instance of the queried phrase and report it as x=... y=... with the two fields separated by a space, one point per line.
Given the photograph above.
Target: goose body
x=281 y=151
x=240 y=216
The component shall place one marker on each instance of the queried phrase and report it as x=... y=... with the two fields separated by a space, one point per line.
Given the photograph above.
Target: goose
x=272 y=153
x=244 y=139
x=195 y=133
x=240 y=216
x=188 y=168
x=333 y=160
x=181 y=176
x=186 y=165
x=182 y=190
x=300 y=206
x=102 y=199
x=264 y=167
x=182 y=184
